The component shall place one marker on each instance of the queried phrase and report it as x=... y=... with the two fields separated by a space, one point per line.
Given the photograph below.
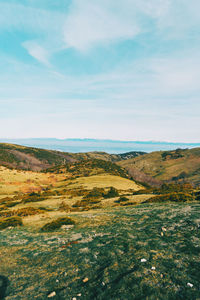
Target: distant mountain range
x=88 y=145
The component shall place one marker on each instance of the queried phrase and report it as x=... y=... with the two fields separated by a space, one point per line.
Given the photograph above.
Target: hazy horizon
x=87 y=145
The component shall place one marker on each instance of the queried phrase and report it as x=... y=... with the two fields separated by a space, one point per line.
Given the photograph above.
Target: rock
x=190 y=284
x=85 y=280
x=143 y=260
x=53 y=294
x=57 y=280
x=161 y=233
x=74 y=298
x=153 y=268
x=164 y=229
x=79 y=295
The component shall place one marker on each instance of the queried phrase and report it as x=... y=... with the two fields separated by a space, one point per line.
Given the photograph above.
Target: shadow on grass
x=3 y=286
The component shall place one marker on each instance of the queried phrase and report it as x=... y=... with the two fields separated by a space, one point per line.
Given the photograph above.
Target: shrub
x=122 y=199
x=142 y=192
x=113 y=192
x=57 y=224
x=64 y=206
x=11 y=221
x=86 y=203
x=21 y=212
x=173 y=188
x=11 y=204
x=27 y=211
x=175 y=197
x=95 y=193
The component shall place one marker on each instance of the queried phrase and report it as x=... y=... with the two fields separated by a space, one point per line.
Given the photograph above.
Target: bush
x=64 y=206
x=113 y=192
x=122 y=199
x=142 y=192
x=86 y=203
x=21 y=212
x=33 y=197
x=27 y=211
x=57 y=224
x=175 y=197
x=95 y=193
x=11 y=221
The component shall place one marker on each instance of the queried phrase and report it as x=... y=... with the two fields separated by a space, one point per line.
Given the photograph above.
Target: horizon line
x=98 y=139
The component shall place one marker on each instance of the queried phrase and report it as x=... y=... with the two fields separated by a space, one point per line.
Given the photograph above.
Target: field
x=140 y=252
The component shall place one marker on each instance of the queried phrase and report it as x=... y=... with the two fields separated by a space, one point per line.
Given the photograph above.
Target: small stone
x=103 y=283
x=164 y=229
x=57 y=280
x=161 y=233
x=153 y=268
x=53 y=294
x=74 y=298
x=85 y=280
x=161 y=275
x=190 y=284
x=79 y=295
x=143 y=260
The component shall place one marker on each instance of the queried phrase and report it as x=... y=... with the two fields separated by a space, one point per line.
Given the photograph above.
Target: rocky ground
x=142 y=252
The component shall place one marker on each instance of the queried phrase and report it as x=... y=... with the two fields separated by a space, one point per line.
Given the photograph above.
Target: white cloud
x=44 y=25
x=91 y=23
x=37 y=51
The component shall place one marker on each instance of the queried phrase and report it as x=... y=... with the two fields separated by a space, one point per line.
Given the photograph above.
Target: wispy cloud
x=37 y=51
x=91 y=23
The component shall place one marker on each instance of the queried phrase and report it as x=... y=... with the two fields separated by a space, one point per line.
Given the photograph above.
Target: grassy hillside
x=35 y=159
x=20 y=157
x=177 y=165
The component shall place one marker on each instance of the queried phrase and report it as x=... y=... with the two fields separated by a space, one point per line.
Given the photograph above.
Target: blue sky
x=125 y=69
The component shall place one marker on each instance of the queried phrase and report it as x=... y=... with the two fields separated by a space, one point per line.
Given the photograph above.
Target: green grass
x=109 y=255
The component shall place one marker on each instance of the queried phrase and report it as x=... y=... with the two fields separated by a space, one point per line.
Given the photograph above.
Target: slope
x=177 y=165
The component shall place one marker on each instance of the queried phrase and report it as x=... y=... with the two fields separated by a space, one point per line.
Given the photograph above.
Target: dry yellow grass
x=105 y=181
x=15 y=181
x=12 y=181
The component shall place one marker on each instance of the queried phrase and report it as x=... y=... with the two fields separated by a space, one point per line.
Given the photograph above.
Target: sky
x=105 y=69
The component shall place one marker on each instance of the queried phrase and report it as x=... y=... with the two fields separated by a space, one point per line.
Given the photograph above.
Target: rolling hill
x=176 y=165
x=35 y=159
x=152 y=168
